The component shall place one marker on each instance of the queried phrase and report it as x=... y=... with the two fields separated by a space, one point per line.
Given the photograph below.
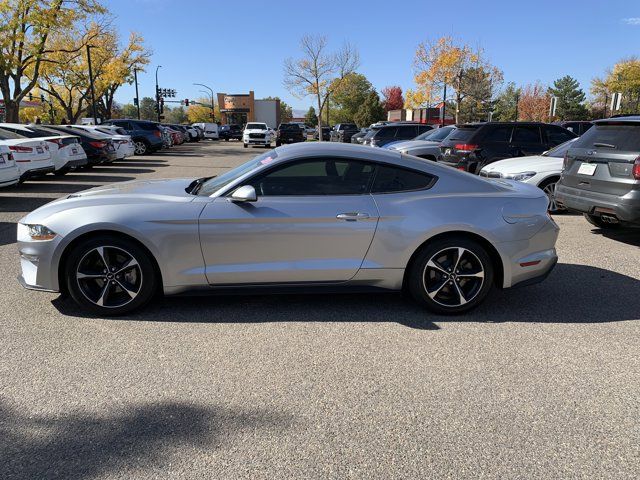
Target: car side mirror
x=246 y=193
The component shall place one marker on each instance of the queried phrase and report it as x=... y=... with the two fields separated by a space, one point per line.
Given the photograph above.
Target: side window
x=424 y=128
x=325 y=176
x=526 y=134
x=391 y=179
x=556 y=136
x=385 y=133
x=406 y=132
x=500 y=133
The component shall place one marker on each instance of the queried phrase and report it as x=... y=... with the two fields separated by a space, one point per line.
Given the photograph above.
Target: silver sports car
x=322 y=215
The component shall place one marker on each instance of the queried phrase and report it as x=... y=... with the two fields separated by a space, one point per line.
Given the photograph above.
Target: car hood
x=125 y=193
x=408 y=144
x=536 y=164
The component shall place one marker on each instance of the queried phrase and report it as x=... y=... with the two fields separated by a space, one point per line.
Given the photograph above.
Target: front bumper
x=257 y=141
x=625 y=208
x=38 y=263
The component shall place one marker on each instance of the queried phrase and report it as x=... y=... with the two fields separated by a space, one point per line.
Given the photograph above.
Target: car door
x=313 y=221
x=526 y=140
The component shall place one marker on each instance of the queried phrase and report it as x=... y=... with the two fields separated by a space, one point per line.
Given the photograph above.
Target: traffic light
x=186 y=102
x=135 y=101
x=30 y=97
x=42 y=97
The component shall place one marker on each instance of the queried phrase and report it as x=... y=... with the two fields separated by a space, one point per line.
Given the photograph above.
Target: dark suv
x=343 y=132
x=474 y=145
x=381 y=135
x=601 y=175
x=230 y=132
x=146 y=135
x=290 y=133
x=576 y=126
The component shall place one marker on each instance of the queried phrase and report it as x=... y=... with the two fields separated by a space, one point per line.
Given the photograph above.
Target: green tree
x=570 y=103
x=176 y=115
x=477 y=84
x=310 y=117
x=506 y=104
x=129 y=110
x=147 y=109
x=370 y=111
x=349 y=95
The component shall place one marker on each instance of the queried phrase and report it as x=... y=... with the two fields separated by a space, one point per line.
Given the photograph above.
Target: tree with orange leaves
x=534 y=103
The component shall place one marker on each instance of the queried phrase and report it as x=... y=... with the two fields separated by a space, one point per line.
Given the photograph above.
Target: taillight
x=462 y=169
x=465 y=147
x=636 y=169
x=98 y=144
x=19 y=149
x=157 y=133
x=57 y=141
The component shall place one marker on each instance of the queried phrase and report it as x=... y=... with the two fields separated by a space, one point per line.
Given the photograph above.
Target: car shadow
x=50 y=187
x=571 y=294
x=8 y=233
x=77 y=445
x=140 y=163
x=630 y=236
x=88 y=177
x=23 y=204
x=121 y=169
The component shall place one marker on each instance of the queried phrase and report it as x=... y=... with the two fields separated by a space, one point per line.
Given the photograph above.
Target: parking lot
x=539 y=382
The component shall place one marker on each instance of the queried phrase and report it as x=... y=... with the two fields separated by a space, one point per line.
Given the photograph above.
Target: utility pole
x=135 y=76
x=93 y=93
x=517 y=103
x=444 y=105
x=158 y=94
x=213 y=108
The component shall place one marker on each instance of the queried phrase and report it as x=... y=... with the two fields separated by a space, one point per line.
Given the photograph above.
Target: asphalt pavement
x=539 y=382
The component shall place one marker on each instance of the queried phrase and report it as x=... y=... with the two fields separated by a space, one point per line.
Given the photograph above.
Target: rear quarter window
x=620 y=135
x=461 y=134
x=391 y=179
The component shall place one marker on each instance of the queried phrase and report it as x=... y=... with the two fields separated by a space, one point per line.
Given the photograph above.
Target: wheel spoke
x=131 y=293
x=463 y=300
x=479 y=274
x=103 y=294
x=100 y=251
x=432 y=264
x=460 y=253
x=82 y=276
x=435 y=292
x=130 y=263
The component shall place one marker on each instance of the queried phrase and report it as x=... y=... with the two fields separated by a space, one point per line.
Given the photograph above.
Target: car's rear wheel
x=245 y=145
x=549 y=188
x=451 y=276
x=140 y=147
x=597 y=221
x=110 y=275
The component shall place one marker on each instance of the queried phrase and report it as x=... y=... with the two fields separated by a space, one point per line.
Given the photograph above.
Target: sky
x=236 y=46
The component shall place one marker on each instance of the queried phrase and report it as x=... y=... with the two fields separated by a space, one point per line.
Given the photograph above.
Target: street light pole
x=158 y=93
x=93 y=93
x=213 y=108
x=135 y=76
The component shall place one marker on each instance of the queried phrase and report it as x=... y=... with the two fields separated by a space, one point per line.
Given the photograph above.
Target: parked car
x=146 y=135
x=98 y=147
x=601 y=176
x=342 y=132
x=66 y=151
x=257 y=133
x=31 y=155
x=475 y=145
x=290 y=133
x=211 y=130
x=326 y=134
x=359 y=137
x=425 y=145
x=577 y=127
x=9 y=174
x=121 y=140
x=393 y=132
x=543 y=171
x=230 y=132
x=301 y=216
x=200 y=131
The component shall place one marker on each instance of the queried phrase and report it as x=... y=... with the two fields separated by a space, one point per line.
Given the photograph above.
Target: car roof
x=629 y=119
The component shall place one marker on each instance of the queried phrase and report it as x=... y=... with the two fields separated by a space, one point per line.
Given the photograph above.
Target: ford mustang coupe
x=321 y=216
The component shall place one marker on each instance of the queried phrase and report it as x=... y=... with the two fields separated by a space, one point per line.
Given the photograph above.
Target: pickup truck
x=290 y=133
x=257 y=133
x=343 y=132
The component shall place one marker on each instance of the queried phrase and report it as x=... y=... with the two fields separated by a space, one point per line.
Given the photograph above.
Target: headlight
x=40 y=232
x=519 y=177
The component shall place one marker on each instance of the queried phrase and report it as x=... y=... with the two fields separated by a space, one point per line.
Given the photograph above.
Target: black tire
x=549 y=187
x=141 y=147
x=86 y=259
x=278 y=143
x=245 y=145
x=596 y=221
x=443 y=289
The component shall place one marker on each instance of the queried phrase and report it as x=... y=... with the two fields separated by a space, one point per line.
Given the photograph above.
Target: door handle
x=352 y=216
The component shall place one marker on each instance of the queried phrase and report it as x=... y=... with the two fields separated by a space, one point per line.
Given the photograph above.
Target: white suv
x=256 y=133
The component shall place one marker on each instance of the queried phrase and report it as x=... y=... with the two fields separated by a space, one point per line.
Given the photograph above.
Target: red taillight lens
x=157 y=133
x=98 y=144
x=19 y=149
x=465 y=147
x=462 y=169
x=57 y=141
x=636 y=169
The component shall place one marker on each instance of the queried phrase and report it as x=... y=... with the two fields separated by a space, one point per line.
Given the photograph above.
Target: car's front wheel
x=109 y=275
x=140 y=147
x=451 y=276
x=245 y=145
x=549 y=188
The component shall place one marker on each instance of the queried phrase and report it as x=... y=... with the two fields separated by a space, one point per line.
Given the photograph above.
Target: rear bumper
x=37 y=172
x=625 y=208
x=538 y=278
x=75 y=163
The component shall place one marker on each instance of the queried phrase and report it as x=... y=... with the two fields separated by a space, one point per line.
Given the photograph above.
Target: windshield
x=6 y=134
x=214 y=184
x=560 y=150
x=436 y=135
x=371 y=133
x=256 y=126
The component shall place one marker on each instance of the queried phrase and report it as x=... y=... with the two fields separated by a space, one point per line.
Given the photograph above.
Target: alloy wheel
x=453 y=277
x=550 y=191
x=109 y=277
x=140 y=148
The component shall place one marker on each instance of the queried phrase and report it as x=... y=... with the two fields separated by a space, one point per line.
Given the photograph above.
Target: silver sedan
x=321 y=216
